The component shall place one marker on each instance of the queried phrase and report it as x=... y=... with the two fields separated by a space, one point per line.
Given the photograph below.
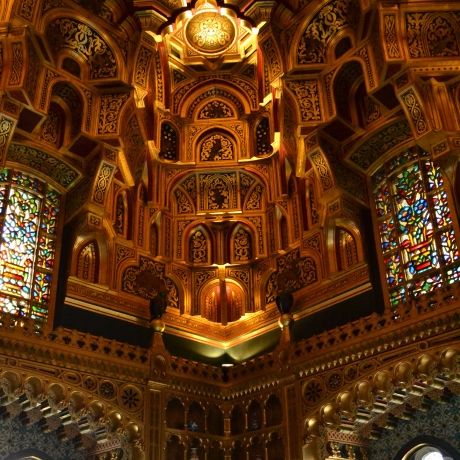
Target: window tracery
x=415 y=223
x=28 y=219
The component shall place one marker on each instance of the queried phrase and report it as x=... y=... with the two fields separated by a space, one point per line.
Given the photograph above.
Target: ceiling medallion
x=209 y=32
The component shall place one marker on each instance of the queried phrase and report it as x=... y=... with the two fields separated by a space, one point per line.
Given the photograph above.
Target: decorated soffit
x=206 y=32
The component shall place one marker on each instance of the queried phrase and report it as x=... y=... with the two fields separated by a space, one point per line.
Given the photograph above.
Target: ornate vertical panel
x=88 y=262
x=7 y=125
x=169 y=142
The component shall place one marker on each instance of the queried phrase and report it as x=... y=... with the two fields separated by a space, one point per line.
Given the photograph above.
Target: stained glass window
x=28 y=213
x=417 y=238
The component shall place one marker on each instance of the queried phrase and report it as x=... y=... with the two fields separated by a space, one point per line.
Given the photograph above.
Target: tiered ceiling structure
x=203 y=188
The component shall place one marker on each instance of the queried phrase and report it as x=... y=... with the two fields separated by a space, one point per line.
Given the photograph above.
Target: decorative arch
x=200 y=245
x=313 y=40
x=381 y=396
x=344 y=242
x=240 y=89
x=73 y=37
x=216 y=145
x=345 y=84
x=223 y=302
x=90 y=414
x=215 y=103
x=241 y=244
x=88 y=262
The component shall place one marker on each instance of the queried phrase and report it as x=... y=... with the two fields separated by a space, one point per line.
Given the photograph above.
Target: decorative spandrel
x=29 y=208
x=418 y=242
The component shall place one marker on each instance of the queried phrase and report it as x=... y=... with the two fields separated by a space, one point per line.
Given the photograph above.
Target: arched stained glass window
x=28 y=213
x=416 y=232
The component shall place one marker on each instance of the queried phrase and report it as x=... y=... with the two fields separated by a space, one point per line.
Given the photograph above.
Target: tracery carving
x=415 y=110
x=147 y=279
x=333 y=17
x=322 y=168
x=390 y=36
x=88 y=263
x=183 y=203
x=58 y=170
x=215 y=109
x=109 y=112
x=379 y=143
x=242 y=245
x=307 y=94
x=273 y=59
x=199 y=247
x=292 y=273
x=217 y=146
x=144 y=58
x=86 y=42
x=17 y=64
x=6 y=132
x=52 y=127
x=433 y=34
x=218 y=191
x=213 y=93
x=255 y=200
x=103 y=180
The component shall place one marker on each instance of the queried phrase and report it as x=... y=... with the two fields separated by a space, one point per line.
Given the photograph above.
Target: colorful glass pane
x=415 y=225
x=433 y=175
x=441 y=209
x=27 y=244
x=19 y=241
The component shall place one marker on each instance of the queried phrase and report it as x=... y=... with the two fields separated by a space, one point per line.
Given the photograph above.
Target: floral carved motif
x=86 y=42
x=198 y=247
x=242 y=247
x=109 y=112
x=41 y=161
x=217 y=146
x=147 y=279
x=218 y=191
x=215 y=109
x=307 y=94
x=142 y=66
x=433 y=34
x=380 y=143
x=333 y=17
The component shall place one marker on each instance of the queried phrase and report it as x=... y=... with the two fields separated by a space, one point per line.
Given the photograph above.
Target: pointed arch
x=88 y=262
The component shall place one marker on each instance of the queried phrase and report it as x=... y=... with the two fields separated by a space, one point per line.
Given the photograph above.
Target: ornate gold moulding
x=209 y=32
x=252 y=334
